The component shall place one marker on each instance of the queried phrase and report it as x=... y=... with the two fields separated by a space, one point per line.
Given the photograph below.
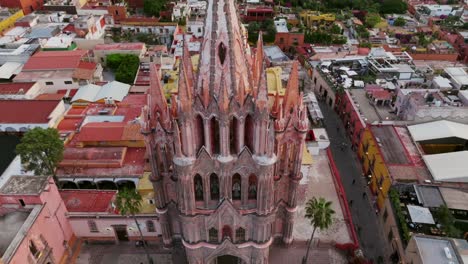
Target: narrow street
x=370 y=233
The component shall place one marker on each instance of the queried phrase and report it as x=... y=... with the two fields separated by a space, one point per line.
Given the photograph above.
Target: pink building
x=93 y=218
x=33 y=226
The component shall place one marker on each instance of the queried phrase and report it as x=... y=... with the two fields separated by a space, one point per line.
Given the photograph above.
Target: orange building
x=286 y=40
x=28 y=6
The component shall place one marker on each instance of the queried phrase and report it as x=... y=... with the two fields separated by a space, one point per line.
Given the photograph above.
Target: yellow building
x=9 y=22
x=145 y=189
x=309 y=18
x=374 y=166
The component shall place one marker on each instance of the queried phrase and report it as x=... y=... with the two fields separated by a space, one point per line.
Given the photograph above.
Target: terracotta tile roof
x=26 y=111
x=83 y=74
x=14 y=88
x=88 y=200
x=55 y=96
x=132 y=131
x=87 y=65
x=94 y=157
x=51 y=60
x=87 y=163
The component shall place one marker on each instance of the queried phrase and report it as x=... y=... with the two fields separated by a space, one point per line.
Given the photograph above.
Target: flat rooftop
x=436 y=250
x=25 y=185
x=88 y=201
x=391 y=147
x=26 y=111
x=370 y=113
x=10 y=224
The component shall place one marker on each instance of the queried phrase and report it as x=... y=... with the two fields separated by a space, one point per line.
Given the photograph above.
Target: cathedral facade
x=225 y=155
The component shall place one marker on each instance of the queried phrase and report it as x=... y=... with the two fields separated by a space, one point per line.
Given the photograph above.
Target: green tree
x=41 y=150
x=446 y=219
x=393 y=7
x=268 y=26
x=153 y=7
x=399 y=22
x=320 y=214
x=253 y=28
x=113 y=61
x=124 y=65
x=128 y=202
x=335 y=29
x=373 y=19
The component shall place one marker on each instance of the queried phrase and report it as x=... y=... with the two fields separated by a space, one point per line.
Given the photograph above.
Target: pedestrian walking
x=364 y=194
x=350 y=202
x=354 y=181
x=338 y=129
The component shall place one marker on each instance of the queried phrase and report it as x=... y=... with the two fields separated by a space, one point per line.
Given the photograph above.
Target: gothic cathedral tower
x=225 y=156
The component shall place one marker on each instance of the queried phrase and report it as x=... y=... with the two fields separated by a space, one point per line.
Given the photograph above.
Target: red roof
x=51 y=60
x=55 y=96
x=14 y=88
x=363 y=51
x=88 y=200
x=106 y=131
x=70 y=123
x=381 y=94
x=87 y=65
x=103 y=162
x=26 y=111
x=120 y=46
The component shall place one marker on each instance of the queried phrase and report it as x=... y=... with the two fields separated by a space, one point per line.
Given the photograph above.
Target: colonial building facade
x=225 y=155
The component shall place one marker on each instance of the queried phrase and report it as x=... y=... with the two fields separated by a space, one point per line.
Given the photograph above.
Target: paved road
x=370 y=233
x=127 y=253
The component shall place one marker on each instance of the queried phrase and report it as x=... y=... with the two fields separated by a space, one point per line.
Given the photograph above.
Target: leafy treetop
x=41 y=150
x=128 y=201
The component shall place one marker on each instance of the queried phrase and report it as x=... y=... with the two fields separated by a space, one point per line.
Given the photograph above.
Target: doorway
x=121 y=232
x=228 y=259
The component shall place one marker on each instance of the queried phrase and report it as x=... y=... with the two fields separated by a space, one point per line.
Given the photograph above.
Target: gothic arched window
x=252 y=187
x=222 y=52
x=200 y=139
x=214 y=124
x=236 y=187
x=248 y=132
x=214 y=187
x=227 y=232
x=213 y=235
x=240 y=235
x=198 y=187
x=233 y=135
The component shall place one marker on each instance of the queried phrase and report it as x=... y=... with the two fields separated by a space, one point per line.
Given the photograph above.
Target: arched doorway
x=228 y=259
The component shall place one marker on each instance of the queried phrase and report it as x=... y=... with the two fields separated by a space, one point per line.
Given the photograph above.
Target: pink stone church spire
x=223 y=44
x=292 y=96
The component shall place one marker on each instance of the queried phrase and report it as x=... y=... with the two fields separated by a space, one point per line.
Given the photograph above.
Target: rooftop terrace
x=10 y=225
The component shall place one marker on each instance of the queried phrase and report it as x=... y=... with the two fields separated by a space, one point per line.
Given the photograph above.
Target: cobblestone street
x=127 y=253
x=370 y=232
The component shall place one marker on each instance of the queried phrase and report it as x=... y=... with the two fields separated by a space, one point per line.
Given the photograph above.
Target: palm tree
x=128 y=202
x=320 y=214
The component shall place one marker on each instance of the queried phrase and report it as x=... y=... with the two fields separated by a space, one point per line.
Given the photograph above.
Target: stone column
x=240 y=134
x=207 y=133
x=165 y=227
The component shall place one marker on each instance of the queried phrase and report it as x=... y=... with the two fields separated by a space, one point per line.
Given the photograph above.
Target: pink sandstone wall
x=51 y=224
